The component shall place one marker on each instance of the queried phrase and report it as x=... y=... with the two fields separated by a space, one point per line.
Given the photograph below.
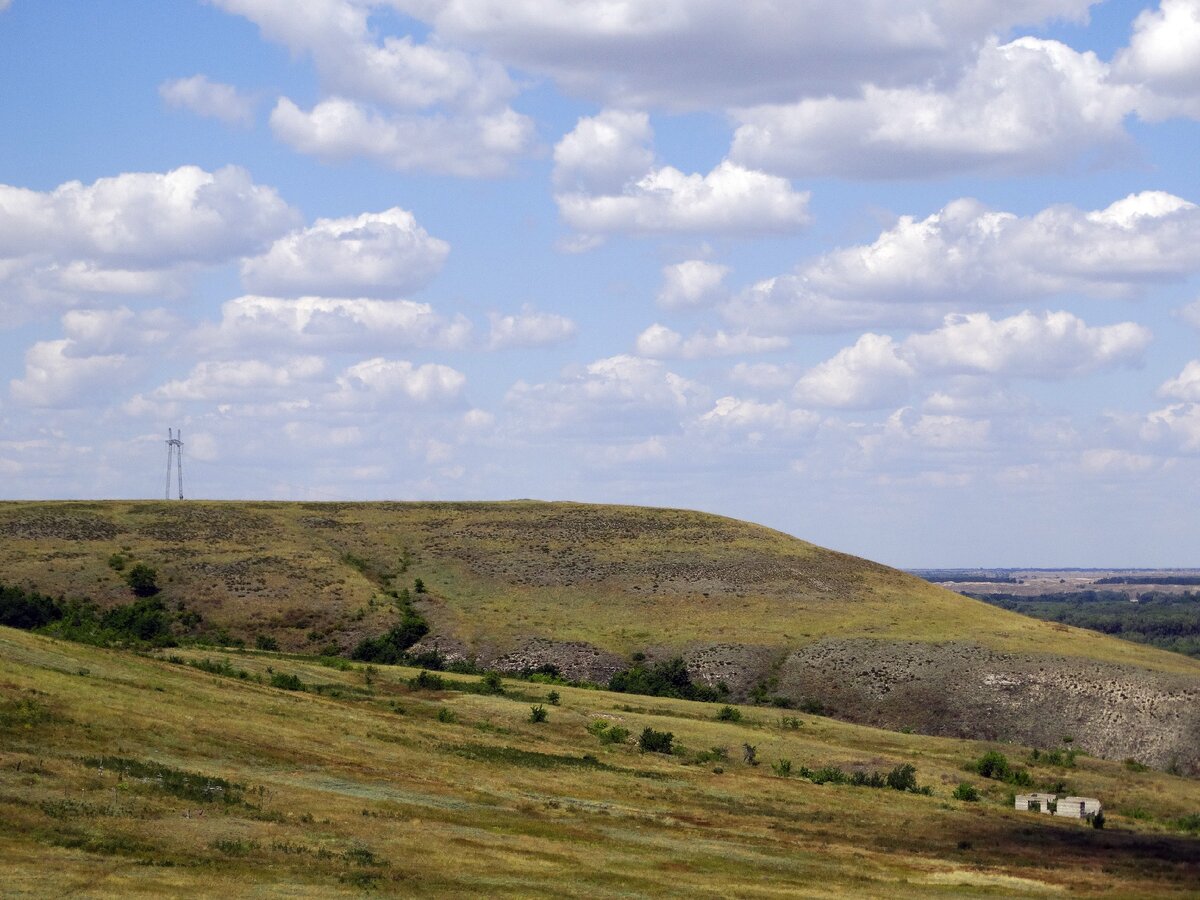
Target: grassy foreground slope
x=582 y=587
x=125 y=776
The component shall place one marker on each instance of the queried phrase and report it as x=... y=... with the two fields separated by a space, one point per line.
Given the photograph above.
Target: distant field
x=1156 y=607
x=125 y=775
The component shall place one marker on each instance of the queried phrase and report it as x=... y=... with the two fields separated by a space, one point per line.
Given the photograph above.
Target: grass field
x=128 y=775
x=620 y=578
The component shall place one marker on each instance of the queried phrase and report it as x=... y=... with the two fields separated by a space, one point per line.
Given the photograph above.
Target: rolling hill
x=522 y=585
x=245 y=773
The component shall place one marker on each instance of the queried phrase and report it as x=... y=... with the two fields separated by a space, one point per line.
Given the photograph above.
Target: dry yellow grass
x=371 y=791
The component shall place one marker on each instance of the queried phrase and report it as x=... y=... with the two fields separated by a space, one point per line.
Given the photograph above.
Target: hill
x=518 y=586
x=235 y=774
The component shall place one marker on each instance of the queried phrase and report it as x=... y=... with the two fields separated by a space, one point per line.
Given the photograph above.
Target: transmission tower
x=175 y=454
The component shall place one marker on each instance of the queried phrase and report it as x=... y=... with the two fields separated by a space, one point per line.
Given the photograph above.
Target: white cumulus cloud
x=210 y=99
x=529 y=328
x=691 y=284
x=381 y=254
x=659 y=341
x=598 y=195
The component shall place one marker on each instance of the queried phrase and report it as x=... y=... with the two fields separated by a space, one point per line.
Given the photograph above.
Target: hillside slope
x=518 y=585
x=127 y=776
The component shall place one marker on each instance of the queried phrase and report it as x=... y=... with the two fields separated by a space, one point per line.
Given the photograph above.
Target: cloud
x=919 y=267
x=371 y=255
x=144 y=220
x=617 y=395
x=877 y=371
x=405 y=105
x=705 y=53
x=661 y=342
x=1164 y=56
x=377 y=381
x=1028 y=105
x=735 y=414
x=318 y=324
x=1177 y=426
x=224 y=381
x=692 y=284
x=1185 y=385
x=140 y=233
x=529 y=328
x=56 y=377
x=600 y=194
x=869 y=374
x=210 y=99
x=1052 y=345
x=1108 y=461
x=338 y=129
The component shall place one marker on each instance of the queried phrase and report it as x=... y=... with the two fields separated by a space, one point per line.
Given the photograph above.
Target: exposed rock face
x=575 y=660
x=960 y=689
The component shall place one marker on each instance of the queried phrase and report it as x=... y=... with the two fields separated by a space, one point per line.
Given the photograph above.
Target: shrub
x=19 y=609
x=490 y=683
x=782 y=768
x=538 y=714
x=966 y=791
x=903 y=777
x=663 y=679
x=992 y=764
x=446 y=715
x=1098 y=820
x=389 y=648
x=1189 y=822
x=653 y=741
x=116 y=562
x=790 y=722
x=750 y=754
x=266 y=642
x=142 y=580
x=607 y=733
x=729 y=714
x=1134 y=766
x=813 y=706
x=552 y=698
x=286 y=682
x=419 y=586
x=427 y=681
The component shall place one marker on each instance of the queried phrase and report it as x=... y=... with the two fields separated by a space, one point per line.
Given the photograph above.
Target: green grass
x=108 y=789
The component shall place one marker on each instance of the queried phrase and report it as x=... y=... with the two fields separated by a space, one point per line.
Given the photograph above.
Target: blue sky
x=915 y=280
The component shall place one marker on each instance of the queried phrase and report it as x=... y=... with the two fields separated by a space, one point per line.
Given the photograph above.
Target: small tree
x=729 y=714
x=552 y=698
x=966 y=791
x=903 y=778
x=652 y=741
x=142 y=580
x=490 y=683
x=782 y=768
x=538 y=714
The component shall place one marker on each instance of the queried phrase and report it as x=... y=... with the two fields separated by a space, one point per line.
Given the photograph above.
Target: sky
x=913 y=279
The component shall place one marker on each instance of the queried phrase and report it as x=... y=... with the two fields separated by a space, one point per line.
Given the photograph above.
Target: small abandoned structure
x=1067 y=807
x=1036 y=802
x=1077 y=807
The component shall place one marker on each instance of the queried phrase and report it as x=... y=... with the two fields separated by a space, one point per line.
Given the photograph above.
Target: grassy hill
x=521 y=585
x=124 y=775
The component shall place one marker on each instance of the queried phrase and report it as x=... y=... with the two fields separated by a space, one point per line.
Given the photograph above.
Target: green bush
x=663 y=679
x=427 y=681
x=116 y=562
x=782 y=768
x=538 y=714
x=652 y=741
x=992 y=764
x=490 y=683
x=445 y=714
x=553 y=697
x=903 y=777
x=729 y=714
x=266 y=642
x=966 y=791
x=142 y=580
x=286 y=682
x=21 y=609
x=1098 y=820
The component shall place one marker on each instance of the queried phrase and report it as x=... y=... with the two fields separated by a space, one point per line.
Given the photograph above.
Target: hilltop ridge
x=524 y=584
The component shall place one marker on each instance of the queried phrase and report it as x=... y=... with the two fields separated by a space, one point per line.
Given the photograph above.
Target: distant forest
x=1188 y=580
x=1167 y=620
x=961 y=577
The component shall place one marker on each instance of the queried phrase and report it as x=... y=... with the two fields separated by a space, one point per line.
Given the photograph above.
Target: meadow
x=247 y=773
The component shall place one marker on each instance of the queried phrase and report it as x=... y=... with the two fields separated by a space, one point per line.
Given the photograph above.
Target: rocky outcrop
x=960 y=689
